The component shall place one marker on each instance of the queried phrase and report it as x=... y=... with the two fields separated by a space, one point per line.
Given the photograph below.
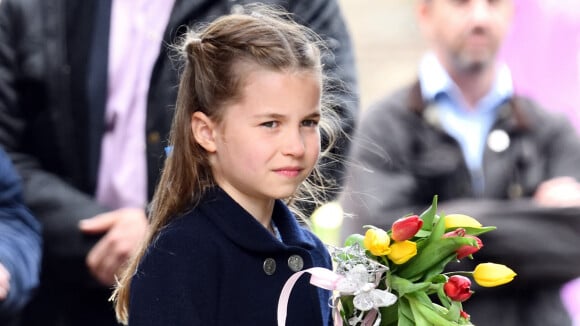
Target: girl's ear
x=203 y=131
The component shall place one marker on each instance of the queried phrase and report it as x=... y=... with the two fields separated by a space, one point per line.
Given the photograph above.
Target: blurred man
x=460 y=132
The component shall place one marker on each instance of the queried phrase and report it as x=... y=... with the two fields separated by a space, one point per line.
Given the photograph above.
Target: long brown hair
x=212 y=77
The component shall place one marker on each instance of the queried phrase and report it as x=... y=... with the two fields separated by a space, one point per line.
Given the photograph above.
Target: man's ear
x=422 y=14
x=203 y=130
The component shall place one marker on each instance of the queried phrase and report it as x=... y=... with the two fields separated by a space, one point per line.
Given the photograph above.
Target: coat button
x=269 y=266
x=498 y=140
x=295 y=263
x=153 y=137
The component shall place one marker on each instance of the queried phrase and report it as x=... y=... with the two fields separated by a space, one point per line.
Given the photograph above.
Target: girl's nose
x=293 y=143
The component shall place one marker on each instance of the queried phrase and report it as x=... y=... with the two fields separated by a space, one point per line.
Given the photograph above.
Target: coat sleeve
x=20 y=240
x=56 y=203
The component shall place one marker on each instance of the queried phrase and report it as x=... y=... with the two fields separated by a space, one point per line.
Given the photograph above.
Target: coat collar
x=243 y=229
x=510 y=115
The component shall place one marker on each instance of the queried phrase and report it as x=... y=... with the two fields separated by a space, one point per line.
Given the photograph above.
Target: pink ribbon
x=322 y=278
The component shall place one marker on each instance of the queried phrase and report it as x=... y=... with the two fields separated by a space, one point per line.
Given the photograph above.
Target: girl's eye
x=310 y=123
x=270 y=124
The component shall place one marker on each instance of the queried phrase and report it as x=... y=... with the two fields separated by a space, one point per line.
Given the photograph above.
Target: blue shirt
x=469 y=127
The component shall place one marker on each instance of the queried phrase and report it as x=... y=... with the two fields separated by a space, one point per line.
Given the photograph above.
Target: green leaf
x=347 y=307
x=354 y=238
x=439 y=278
x=403 y=286
x=390 y=315
x=422 y=243
x=454 y=310
x=423 y=298
x=405 y=313
x=433 y=314
x=438 y=268
x=420 y=319
x=428 y=215
x=443 y=298
x=422 y=233
x=438 y=229
x=432 y=255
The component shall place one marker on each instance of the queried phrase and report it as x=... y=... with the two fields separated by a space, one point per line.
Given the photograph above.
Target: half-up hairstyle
x=216 y=59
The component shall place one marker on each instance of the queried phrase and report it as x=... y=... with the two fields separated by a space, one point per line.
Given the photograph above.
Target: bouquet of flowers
x=397 y=277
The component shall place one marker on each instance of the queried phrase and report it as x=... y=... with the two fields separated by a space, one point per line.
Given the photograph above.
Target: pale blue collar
x=435 y=80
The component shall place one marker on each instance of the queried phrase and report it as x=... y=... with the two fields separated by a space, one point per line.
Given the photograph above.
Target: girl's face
x=269 y=141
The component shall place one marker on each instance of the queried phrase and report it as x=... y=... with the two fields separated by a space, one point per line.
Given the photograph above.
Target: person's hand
x=4 y=282
x=125 y=229
x=558 y=192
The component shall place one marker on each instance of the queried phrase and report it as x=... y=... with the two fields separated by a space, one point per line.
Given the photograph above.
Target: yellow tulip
x=460 y=221
x=377 y=242
x=402 y=251
x=490 y=274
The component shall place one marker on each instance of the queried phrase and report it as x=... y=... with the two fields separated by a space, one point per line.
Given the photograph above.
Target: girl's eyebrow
x=279 y=116
x=269 y=115
x=314 y=115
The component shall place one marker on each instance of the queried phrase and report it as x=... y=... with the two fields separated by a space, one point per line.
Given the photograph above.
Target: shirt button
x=295 y=263
x=269 y=266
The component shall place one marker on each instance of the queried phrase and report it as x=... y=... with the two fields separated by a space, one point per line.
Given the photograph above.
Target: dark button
x=295 y=263
x=269 y=266
x=153 y=137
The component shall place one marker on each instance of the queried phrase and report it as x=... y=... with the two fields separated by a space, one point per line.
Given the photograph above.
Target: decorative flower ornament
x=361 y=278
x=366 y=295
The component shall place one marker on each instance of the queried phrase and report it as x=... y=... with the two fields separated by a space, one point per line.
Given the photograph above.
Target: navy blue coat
x=19 y=241
x=207 y=268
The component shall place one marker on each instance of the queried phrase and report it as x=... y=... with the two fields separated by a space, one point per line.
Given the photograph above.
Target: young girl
x=245 y=137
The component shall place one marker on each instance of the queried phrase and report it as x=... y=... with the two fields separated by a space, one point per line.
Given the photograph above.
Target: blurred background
x=542 y=50
x=388 y=44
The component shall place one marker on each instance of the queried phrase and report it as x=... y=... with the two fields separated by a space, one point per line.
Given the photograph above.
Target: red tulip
x=459 y=232
x=465 y=250
x=405 y=228
x=458 y=288
x=464 y=314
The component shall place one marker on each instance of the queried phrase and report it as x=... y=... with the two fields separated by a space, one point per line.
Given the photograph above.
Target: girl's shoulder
x=186 y=232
